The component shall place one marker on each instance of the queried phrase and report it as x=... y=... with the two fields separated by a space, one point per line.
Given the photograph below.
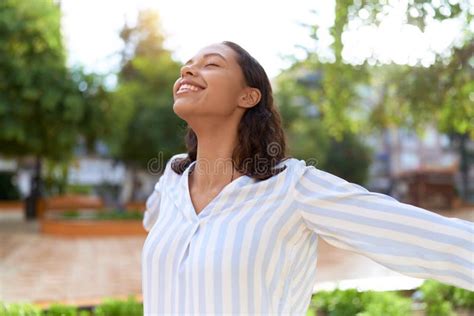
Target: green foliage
x=44 y=106
x=113 y=307
x=109 y=307
x=417 y=12
x=352 y=302
x=325 y=97
x=8 y=191
x=308 y=137
x=97 y=120
x=349 y=149
x=84 y=189
x=386 y=304
x=404 y=96
x=339 y=302
x=40 y=109
x=19 y=309
x=463 y=298
x=145 y=123
x=60 y=310
x=442 y=94
x=105 y=214
x=441 y=299
x=56 y=177
x=72 y=214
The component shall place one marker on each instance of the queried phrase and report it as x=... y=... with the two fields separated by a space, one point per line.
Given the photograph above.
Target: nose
x=187 y=70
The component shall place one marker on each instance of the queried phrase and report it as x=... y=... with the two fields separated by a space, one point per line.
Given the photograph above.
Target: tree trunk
x=36 y=190
x=464 y=166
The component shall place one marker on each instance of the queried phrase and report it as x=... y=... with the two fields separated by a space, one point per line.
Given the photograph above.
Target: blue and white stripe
x=253 y=248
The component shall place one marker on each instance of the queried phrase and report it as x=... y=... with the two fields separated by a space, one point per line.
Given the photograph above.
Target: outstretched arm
x=405 y=238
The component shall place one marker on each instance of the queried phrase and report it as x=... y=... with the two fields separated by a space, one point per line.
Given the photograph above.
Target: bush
x=109 y=307
x=338 y=302
x=113 y=307
x=60 y=310
x=352 y=302
x=19 y=309
x=84 y=189
x=441 y=299
x=386 y=303
x=70 y=214
x=104 y=214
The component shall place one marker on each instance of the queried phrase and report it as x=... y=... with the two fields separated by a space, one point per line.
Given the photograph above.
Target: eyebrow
x=207 y=55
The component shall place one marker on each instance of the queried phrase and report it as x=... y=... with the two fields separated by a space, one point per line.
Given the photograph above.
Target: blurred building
x=413 y=168
x=403 y=159
x=108 y=178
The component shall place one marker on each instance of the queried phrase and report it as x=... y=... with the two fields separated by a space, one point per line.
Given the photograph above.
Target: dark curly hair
x=261 y=139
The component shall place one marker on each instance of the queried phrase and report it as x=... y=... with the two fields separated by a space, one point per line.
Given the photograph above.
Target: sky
x=269 y=30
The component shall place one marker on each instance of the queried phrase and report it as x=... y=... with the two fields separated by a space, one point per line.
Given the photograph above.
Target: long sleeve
x=152 y=207
x=402 y=237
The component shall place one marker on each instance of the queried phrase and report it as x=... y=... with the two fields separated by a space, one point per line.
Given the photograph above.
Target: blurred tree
x=43 y=106
x=441 y=94
x=338 y=97
x=37 y=96
x=307 y=135
x=146 y=127
x=95 y=126
x=97 y=119
x=40 y=109
x=349 y=149
x=405 y=96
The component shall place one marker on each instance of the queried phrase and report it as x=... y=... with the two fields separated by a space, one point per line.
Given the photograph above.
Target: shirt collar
x=182 y=198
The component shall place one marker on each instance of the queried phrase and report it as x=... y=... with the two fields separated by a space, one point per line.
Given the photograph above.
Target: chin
x=183 y=109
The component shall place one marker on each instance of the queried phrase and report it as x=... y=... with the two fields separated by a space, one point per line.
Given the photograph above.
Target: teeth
x=189 y=87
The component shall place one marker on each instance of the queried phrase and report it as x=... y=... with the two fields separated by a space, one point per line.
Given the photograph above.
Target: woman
x=234 y=223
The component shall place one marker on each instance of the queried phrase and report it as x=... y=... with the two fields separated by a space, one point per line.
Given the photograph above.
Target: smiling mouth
x=188 y=88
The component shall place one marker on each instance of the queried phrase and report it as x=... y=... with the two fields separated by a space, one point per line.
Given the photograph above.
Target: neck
x=214 y=166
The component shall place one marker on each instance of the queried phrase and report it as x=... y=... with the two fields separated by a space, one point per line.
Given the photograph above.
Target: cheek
x=223 y=95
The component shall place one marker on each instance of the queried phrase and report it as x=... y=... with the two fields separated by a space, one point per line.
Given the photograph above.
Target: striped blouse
x=253 y=248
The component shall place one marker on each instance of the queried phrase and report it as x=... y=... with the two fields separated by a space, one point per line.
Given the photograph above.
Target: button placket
x=202 y=222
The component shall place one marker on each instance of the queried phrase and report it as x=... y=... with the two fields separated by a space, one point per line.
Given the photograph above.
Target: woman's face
x=216 y=84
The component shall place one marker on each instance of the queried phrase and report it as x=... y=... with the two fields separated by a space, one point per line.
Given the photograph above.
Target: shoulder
x=308 y=176
x=308 y=168
x=290 y=170
x=305 y=171
x=294 y=166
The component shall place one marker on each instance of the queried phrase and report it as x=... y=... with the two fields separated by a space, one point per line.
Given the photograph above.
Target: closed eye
x=212 y=65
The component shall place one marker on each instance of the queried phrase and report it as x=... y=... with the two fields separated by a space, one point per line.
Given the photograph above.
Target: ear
x=249 y=97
